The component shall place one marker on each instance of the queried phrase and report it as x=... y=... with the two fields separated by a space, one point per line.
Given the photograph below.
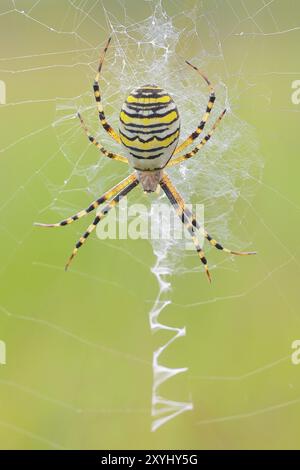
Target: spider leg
x=105 y=197
x=196 y=225
x=92 y=139
x=214 y=242
x=97 y=95
x=176 y=201
x=187 y=156
x=210 y=104
x=100 y=216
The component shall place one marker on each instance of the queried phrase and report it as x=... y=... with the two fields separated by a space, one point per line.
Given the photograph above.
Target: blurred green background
x=79 y=345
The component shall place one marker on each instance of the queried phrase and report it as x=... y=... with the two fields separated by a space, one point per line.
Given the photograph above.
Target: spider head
x=149 y=180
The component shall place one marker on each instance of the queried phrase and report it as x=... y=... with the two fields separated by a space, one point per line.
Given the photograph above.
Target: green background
x=79 y=345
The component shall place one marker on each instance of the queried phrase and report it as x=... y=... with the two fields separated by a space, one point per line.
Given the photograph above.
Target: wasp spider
x=149 y=133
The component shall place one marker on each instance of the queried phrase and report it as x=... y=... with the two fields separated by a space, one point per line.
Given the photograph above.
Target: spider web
x=148 y=45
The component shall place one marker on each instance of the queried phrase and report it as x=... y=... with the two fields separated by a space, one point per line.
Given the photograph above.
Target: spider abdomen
x=149 y=127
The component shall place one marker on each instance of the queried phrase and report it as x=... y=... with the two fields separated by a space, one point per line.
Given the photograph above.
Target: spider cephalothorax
x=149 y=133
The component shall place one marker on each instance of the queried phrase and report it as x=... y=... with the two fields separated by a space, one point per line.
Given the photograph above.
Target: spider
x=149 y=133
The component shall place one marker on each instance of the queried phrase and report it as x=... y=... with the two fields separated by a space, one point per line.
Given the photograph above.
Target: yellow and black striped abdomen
x=149 y=127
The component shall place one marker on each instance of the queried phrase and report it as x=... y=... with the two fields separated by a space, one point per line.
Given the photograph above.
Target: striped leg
x=196 y=225
x=100 y=216
x=111 y=155
x=175 y=199
x=105 y=197
x=97 y=95
x=210 y=104
x=182 y=158
x=214 y=242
